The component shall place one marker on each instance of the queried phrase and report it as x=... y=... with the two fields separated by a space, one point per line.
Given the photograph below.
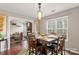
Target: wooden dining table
x=46 y=39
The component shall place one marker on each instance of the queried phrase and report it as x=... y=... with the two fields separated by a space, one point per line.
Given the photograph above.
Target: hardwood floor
x=15 y=48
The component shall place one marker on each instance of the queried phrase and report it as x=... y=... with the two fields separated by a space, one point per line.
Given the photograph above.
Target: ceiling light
x=39 y=14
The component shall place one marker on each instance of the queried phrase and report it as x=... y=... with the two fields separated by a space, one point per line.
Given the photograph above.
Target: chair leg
x=61 y=52
x=29 y=50
x=52 y=51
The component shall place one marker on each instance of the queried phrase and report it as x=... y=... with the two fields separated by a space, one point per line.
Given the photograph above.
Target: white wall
x=73 y=28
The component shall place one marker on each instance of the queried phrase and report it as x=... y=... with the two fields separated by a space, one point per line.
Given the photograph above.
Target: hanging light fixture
x=39 y=14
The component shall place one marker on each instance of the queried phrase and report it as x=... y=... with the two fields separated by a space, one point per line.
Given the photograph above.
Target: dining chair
x=38 y=47
x=31 y=41
x=53 y=46
x=62 y=45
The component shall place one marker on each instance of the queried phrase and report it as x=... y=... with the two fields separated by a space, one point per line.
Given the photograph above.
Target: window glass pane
x=60 y=31
x=51 y=26
x=65 y=23
x=60 y=24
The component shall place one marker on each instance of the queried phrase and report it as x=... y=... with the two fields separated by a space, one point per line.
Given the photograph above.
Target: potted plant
x=1 y=36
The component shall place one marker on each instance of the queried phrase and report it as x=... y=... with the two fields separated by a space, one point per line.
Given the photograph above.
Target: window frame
x=55 y=19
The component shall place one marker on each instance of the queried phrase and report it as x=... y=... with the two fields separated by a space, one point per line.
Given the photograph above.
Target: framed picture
x=2 y=26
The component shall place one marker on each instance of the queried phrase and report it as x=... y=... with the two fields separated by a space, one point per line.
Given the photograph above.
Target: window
x=58 y=25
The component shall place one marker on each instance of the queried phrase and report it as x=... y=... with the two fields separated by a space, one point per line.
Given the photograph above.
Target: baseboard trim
x=72 y=52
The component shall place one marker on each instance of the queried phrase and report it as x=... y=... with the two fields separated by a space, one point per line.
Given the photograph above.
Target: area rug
x=26 y=52
x=23 y=52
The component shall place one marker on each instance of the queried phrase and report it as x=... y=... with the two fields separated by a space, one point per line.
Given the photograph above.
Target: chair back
x=62 y=44
x=31 y=40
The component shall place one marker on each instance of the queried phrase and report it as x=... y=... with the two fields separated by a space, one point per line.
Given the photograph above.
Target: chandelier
x=39 y=14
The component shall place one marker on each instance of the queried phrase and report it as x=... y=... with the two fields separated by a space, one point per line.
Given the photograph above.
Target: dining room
x=45 y=28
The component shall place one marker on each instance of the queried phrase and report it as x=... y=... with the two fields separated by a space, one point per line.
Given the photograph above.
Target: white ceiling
x=30 y=9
